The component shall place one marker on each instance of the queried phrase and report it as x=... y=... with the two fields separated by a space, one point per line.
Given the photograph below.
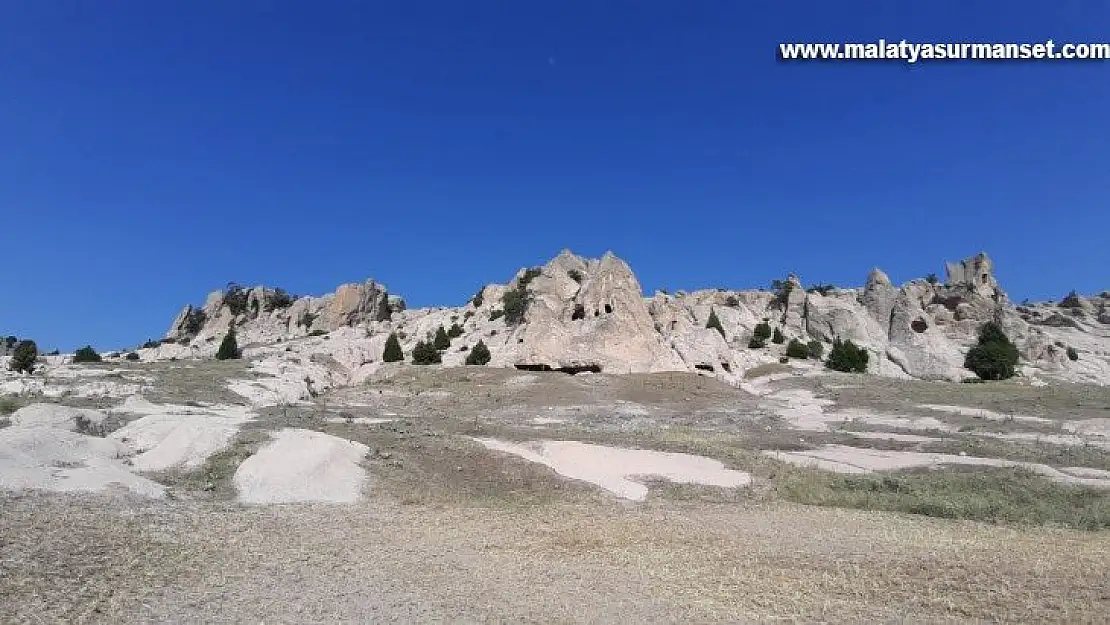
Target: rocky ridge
x=591 y=315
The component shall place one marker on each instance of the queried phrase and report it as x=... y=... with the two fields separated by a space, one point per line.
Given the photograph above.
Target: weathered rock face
x=591 y=315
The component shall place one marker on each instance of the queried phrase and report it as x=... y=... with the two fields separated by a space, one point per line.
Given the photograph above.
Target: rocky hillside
x=576 y=314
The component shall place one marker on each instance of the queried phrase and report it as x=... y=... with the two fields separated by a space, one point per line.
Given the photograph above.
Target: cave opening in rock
x=579 y=312
x=727 y=367
x=608 y=309
x=703 y=367
x=571 y=370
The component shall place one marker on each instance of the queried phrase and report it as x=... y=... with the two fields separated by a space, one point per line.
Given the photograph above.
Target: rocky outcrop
x=577 y=314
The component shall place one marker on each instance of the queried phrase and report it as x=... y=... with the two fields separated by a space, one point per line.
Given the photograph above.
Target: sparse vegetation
x=848 y=357
x=306 y=319
x=529 y=274
x=815 y=349
x=999 y=496
x=425 y=354
x=229 y=347
x=86 y=354
x=575 y=275
x=494 y=315
x=455 y=331
x=1072 y=354
x=732 y=301
x=797 y=349
x=132 y=356
x=392 y=351
x=714 y=323
x=479 y=355
x=318 y=332
x=932 y=278
x=777 y=337
x=235 y=298
x=441 y=342
x=762 y=331
x=782 y=289
x=515 y=304
x=24 y=357
x=822 y=289
x=995 y=357
x=150 y=344
x=194 y=321
x=478 y=297
x=757 y=343
x=279 y=298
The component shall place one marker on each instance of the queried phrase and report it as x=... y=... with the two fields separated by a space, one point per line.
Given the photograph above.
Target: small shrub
x=846 y=356
x=281 y=299
x=515 y=304
x=1072 y=354
x=10 y=341
x=467 y=315
x=306 y=319
x=479 y=355
x=229 y=347
x=529 y=275
x=235 y=298
x=478 y=298
x=150 y=344
x=757 y=343
x=318 y=332
x=575 y=275
x=782 y=289
x=714 y=323
x=762 y=331
x=392 y=351
x=194 y=321
x=822 y=289
x=995 y=357
x=783 y=360
x=455 y=331
x=441 y=342
x=797 y=349
x=815 y=349
x=86 y=354
x=732 y=301
x=425 y=354
x=778 y=338
x=132 y=356
x=494 y=315
x=24 y=357
x=932 y=278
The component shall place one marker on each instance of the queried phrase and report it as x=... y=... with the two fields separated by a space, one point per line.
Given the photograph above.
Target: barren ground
x=450 y=530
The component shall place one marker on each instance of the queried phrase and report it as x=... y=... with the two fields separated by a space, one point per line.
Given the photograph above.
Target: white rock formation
x=591 y=315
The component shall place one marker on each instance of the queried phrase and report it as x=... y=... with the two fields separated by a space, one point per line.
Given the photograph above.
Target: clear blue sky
x=152 y=151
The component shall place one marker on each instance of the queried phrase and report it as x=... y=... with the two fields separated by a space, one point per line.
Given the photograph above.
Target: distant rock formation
x=584 y=314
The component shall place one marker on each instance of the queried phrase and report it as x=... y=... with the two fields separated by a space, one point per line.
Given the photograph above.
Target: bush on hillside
x=441 y=342
x=995 y=357
x=1072 y=354
x=778 y=338
x=392 y=351
x=797 y=349
x=762 y=331
x=848 y=357
x=479 y=355
x=478 y=298
x=24 y=357
x=425 y=354
x=714 y=323
x=816 y=349
x=529 y=275
x=132 y=356
x=757 y=343
x=575 y=275
x=229 y=347
x=515 y=305
x=455 y=331
x=86 y=354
